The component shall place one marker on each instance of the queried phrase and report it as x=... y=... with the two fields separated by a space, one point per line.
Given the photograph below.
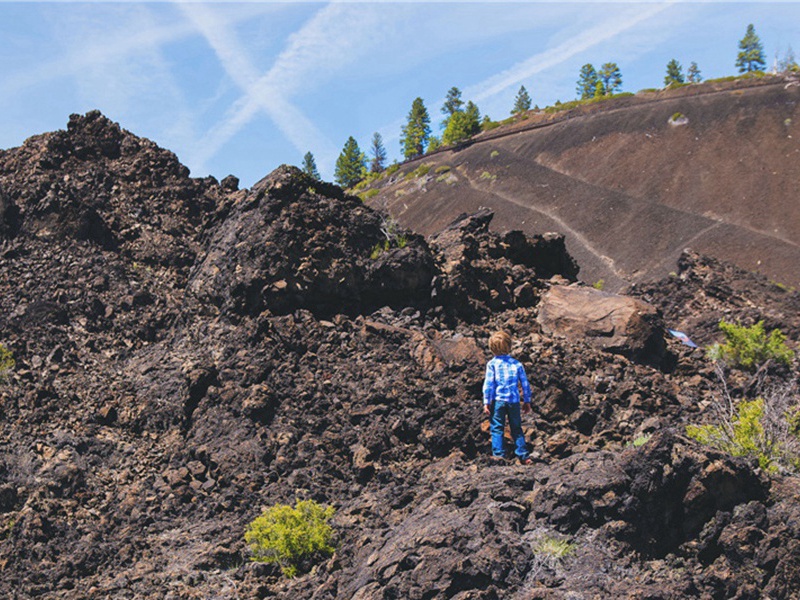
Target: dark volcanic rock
x=188 y=353
x=292 y=242
x=483 y=272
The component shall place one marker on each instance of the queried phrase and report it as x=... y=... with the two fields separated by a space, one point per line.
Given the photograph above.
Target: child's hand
x=486 y=409
x=526 y=407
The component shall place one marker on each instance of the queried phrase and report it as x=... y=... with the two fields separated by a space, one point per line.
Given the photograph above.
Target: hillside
x=629 y=189
x=188 y=353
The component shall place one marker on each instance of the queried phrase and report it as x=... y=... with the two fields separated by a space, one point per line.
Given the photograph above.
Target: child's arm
x=489 y=388
x=526 y=390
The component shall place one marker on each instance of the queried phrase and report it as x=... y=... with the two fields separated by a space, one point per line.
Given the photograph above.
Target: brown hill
x=628 y=185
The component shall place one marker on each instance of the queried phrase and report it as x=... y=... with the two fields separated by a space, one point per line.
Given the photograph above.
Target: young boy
x=504 y=376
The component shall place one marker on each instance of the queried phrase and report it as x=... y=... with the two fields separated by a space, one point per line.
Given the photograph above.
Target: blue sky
x=242 y=87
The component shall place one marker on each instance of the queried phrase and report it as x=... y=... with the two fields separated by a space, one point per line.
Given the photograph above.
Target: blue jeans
x=499 y=413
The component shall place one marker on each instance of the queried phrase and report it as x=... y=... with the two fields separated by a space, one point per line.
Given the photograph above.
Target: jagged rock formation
x=188 y=353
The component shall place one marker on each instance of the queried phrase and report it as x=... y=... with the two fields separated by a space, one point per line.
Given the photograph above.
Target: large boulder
x=611 y=322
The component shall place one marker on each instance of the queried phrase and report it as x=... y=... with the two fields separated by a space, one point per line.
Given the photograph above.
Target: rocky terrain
x=189 y=353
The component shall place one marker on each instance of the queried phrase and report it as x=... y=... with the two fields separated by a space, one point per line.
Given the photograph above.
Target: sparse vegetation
x=641 y=440
x=553 y=547
x=392 y=169
x=442 y=169
x=488 y=176
x=766 y=428
x=494 y=154
x=371 y=193
x=750 y=347
x=291 y=537
x=6 y=363
x=599 y=284
x=420 y=171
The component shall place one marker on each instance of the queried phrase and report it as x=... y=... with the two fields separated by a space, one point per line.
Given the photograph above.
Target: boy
x=504 y=376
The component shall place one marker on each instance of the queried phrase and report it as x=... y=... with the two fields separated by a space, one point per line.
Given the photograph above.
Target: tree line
x=462 y=120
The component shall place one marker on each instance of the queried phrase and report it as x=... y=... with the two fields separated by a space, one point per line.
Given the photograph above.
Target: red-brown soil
x=629 y=189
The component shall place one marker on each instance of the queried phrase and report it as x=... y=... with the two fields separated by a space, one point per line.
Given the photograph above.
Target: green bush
x=743 y=436
x=6 y=363
x=599 y=284
x=291 y=537
x=750 y=347
x=420 y=171
x=489 y=176
x=554 y=548
x=371 y=193
x=442 y=169
x=494 y=154
x=392 y=169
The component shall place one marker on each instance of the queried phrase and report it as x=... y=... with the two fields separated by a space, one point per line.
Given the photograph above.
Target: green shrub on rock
x=750 y=347
x=6 y=363
x=291 y=537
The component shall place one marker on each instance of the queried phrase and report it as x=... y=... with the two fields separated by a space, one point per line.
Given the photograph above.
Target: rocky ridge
x=188 y=353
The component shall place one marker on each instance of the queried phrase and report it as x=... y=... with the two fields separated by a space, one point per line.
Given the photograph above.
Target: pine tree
x=611 y=77
x=599 y=90
x=522 y=102
x=310 y=166
x=416 y=130
x=452 y=102
x=587 y=82
x=693 y=74
x=674 y=73
x=751 y=52
x=350 y=164
x=378 y=153
x=434 y=143
x=462 y=124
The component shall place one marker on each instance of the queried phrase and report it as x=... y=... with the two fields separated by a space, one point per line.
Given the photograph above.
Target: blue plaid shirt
x=504 y=375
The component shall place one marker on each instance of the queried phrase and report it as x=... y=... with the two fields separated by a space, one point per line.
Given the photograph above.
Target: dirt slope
x=629 y=189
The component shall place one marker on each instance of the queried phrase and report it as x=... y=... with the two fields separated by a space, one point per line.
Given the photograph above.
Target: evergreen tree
x=452 y=102
x=751 y=52
x=462 y=124
x=416 y=130
x=599 y=90
x=674 y=73
x=587 y=82
x=611 y=77
x=434 y=143
x=378 y=153
x=693 y=74
x=350 y=164
x=522 y=103
x=310 y=166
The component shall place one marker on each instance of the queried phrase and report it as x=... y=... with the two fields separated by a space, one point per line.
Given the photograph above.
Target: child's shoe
x=525 y=461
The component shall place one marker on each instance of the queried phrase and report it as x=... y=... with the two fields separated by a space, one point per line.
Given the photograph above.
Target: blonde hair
x=500 y=343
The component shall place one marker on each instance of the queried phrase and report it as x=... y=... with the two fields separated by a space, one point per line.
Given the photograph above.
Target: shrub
x=641 y=440
x=750 y=347
x=291 y=537
x=553 y=547
x=743 y=436
x=368 y=194
x=442 y=169
x=489 y=176
x=6 y=363
x=599 y=284
x=494 y=154
x=420 y=171
x=392 y=169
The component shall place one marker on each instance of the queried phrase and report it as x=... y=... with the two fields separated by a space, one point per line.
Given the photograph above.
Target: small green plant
x=488 y=176
x=750 y=347
x=371 y=193
x=442 y=169
x=676 y=116
x=743 y=436
x=6 y=363
x=494 y=154
x=392 y=169
x=379 y=249
x=420 y=171
x=291 y=537
x=641 y=440
x=554 y=548
x=599 y=284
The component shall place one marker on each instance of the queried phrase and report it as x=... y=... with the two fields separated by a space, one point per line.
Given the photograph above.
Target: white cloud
x=561 y=53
